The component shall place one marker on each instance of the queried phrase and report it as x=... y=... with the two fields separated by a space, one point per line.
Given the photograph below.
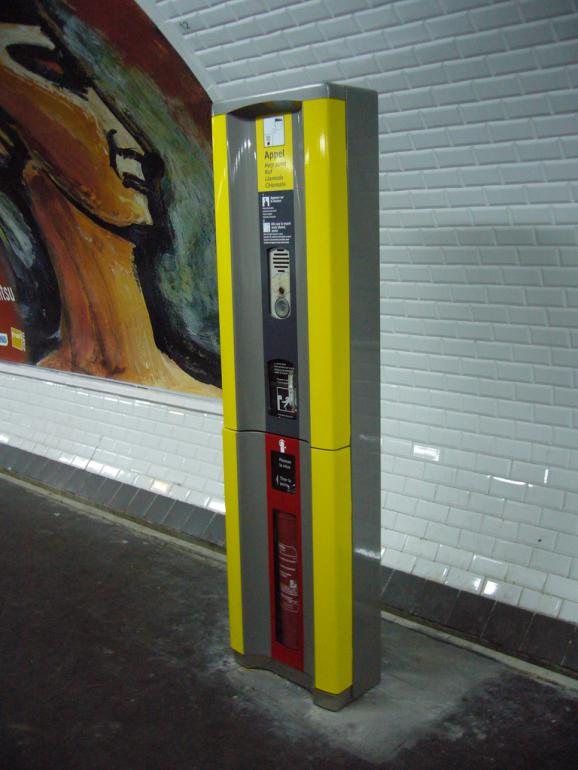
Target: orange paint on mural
x=90 y=195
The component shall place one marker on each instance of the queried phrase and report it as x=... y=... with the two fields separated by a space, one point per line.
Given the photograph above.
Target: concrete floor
x=113 y=656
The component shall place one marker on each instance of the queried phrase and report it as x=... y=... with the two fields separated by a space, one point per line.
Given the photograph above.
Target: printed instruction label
x=274 y=153
x=276 y=215
x=282 y=389
x=283 y=473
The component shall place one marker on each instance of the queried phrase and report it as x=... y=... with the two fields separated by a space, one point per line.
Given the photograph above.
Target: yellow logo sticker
x=275 y=153
x=18 y=339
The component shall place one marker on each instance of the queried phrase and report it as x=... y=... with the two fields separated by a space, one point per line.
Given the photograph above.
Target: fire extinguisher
x=287 y=587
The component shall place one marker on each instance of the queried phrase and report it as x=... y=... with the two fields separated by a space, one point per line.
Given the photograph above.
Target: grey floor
x=113 y=656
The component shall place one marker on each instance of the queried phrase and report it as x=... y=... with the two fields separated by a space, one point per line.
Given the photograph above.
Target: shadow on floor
x=113 y=656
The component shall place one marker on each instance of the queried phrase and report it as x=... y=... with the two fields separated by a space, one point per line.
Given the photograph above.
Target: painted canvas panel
x=107 y=254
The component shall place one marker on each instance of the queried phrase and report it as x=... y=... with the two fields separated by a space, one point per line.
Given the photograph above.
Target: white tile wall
x=479 y=280
x=159 y=441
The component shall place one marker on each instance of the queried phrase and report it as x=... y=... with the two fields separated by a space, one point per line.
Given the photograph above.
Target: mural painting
x=107 y=262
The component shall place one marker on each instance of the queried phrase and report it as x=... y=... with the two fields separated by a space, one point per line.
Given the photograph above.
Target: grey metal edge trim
x=275 y=99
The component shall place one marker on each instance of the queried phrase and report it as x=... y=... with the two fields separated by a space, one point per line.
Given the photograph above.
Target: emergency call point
x=296 y=200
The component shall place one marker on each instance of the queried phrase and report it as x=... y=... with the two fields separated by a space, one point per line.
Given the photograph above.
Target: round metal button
x=282 y=307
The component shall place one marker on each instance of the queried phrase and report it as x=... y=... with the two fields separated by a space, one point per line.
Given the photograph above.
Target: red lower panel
x=285 y=569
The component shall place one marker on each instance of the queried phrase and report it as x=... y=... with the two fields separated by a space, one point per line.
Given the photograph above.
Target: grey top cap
x=279 y=101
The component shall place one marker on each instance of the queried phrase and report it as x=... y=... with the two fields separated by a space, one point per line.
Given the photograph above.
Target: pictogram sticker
x=274 y=153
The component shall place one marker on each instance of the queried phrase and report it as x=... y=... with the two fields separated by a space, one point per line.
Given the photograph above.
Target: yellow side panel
x=224 y=269
x=332 y=569
x=233 y=540
x=225 y=282
x=274 y=153
x=327 y=271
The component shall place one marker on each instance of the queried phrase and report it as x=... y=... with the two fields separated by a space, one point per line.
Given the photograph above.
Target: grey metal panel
x=363 y=204
x=254 y=343
x=252 y=475
x=301 y=278
x=246 y=272
x=279 y=101
x=280 y=336
x=332 y=702
x=270 y=664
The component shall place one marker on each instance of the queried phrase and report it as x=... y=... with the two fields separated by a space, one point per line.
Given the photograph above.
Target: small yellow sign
x=18 y=339
x=274 y=153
